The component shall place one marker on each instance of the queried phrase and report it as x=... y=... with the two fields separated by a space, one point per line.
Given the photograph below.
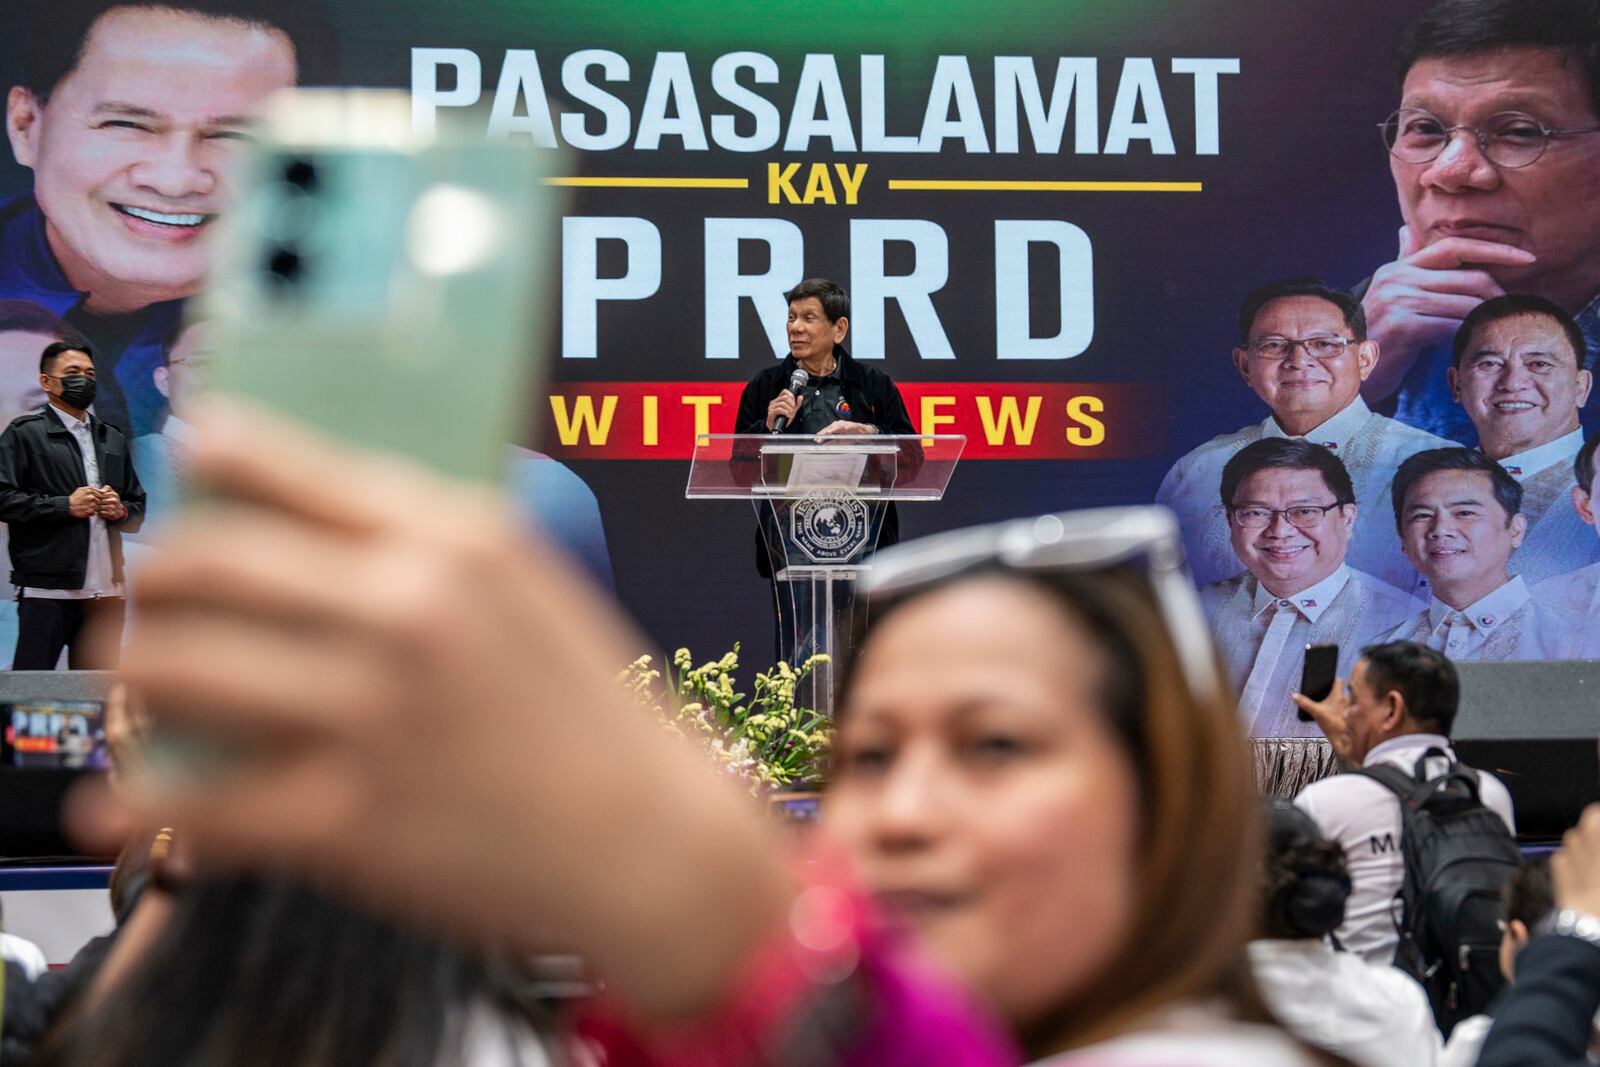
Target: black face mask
x=77 y=390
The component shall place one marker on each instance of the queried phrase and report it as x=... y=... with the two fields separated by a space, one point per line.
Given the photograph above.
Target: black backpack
x=1457 y=854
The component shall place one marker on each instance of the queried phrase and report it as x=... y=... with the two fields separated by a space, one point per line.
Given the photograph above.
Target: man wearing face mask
x=67 y=490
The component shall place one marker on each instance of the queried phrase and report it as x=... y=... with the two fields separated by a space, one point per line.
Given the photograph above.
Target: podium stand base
x=812 y=613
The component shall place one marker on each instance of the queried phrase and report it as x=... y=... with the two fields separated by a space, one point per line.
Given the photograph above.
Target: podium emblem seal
x=829 y=526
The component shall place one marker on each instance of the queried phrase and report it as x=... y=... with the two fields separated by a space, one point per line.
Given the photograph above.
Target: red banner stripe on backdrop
x=1001 y=420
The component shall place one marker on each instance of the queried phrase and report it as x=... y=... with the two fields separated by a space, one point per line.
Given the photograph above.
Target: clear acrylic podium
x=819 y=504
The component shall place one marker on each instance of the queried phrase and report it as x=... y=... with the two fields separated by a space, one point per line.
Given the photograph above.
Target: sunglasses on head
x=1142 y=540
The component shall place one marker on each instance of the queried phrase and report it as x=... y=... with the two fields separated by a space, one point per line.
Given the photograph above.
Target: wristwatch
x=1569 y=922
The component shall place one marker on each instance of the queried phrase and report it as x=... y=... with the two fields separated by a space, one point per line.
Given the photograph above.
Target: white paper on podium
x=819 y=470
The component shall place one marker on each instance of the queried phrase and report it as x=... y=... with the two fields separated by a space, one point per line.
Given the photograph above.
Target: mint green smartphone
x=385 y=288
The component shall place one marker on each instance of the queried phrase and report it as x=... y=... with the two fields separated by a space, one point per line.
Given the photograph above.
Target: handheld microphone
x=797 y=382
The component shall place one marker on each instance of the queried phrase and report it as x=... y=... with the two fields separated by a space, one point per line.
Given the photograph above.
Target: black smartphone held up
x=1316 y=677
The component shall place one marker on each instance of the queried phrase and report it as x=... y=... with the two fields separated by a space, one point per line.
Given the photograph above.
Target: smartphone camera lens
x=291 y=226
x=300 y=173
x=285 y=264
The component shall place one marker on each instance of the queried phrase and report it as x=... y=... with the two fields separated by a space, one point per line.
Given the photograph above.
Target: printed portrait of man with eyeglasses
x=1495 y=153
x=68 y=491
x=1461 y=521
x=1291 y=511
x=1304 y=350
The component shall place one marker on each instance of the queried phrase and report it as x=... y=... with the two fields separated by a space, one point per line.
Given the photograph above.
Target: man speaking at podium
x=837 y=395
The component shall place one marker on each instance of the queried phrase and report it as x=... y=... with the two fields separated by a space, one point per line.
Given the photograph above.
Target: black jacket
x=871 y=394
x=1546 y=1018
x=40 y=467
x=873 y=398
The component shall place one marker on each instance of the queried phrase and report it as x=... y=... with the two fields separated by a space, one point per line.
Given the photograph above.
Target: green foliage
x=765 y=741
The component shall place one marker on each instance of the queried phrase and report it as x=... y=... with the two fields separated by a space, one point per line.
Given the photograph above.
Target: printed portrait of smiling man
x=1291 y=511
x=1516 y=373
x=1494 y=148
x=1460 y=517
x=1303 y=349
x=131 y=118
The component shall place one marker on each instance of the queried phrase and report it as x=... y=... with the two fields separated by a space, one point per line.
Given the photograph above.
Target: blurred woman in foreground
x=1037 y=770
x=1036 y=766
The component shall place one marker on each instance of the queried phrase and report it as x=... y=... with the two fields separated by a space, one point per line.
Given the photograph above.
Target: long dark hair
x=264 y=972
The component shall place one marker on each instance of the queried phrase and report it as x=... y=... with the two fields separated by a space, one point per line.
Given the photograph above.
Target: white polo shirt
x=1364 y=817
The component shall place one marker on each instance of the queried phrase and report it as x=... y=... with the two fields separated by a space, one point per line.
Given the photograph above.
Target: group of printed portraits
x=1422 y=470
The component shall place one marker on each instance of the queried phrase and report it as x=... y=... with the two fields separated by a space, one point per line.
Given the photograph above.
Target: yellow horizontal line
x=651 y=183
x=960 y=185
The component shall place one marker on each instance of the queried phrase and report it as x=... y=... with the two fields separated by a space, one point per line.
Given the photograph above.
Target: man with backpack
x=1429 y=840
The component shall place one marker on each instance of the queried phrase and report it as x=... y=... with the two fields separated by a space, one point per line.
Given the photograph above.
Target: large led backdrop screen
x=1047 y=217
